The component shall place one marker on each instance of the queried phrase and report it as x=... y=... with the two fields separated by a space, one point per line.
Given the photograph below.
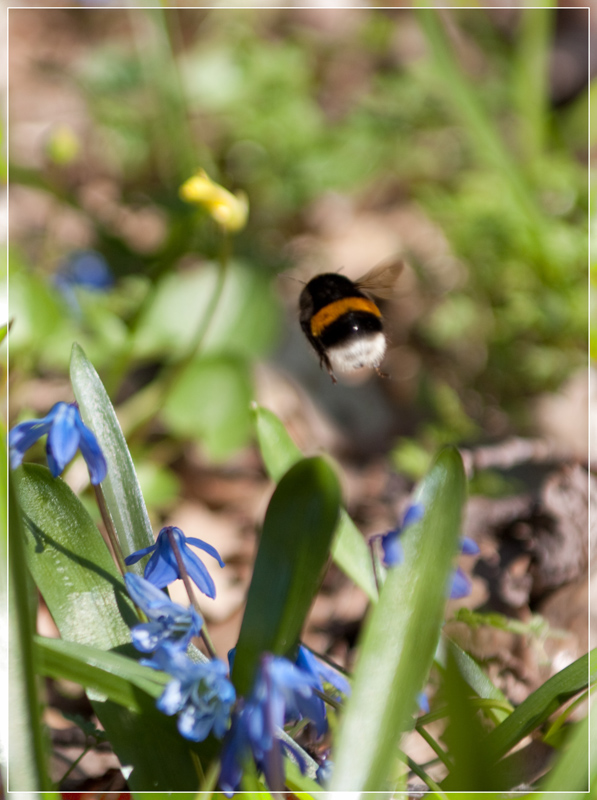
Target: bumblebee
x=342 y=322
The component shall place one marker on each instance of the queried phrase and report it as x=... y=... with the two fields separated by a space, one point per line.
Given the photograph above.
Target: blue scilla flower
x=162 y=567
x=461 y=586
x=85 y=269
x=168 y=621
x=200 y=693
x=321 y=672
x=66 y=434
x=281 y=691
x=390 y=541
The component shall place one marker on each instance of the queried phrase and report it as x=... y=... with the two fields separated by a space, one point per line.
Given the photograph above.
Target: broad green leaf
x=28 y=762
x=121 y=487
x=244 y=323
x=210 y=401
x=110 y=674
x=349 y=549
x=293 y=552
x=70 y=562
x=400 y=635
x=539 y=705
x=87 y=599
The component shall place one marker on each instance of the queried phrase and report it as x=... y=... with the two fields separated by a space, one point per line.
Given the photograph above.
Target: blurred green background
x=450 y=138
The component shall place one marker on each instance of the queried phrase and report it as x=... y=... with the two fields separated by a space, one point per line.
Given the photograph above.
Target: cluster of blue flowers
x=201 y=694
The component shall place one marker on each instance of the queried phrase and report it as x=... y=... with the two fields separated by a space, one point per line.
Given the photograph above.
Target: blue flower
x=281 y=691
x=168 y=621
x=321 y=672
x=390 y=542
x=162 y=567
x=66 y=434
x=324 y=772
x=200 y=693
x=461 y=586
x=85 y=268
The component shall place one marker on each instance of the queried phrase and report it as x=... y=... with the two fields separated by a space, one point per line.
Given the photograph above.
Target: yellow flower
x=229 y=210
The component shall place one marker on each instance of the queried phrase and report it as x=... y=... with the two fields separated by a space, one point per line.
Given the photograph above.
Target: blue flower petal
x=24 y=435
x=414 y=514
x=63 y=438
x=423 y=702
x=461 y=586
x=161 y=569
x=198 y=573
x=307 y=661
x=205 y=546
x=172 y=698
x=138 y=554
x=469 y=547
x=392 y=548
x=91 y=452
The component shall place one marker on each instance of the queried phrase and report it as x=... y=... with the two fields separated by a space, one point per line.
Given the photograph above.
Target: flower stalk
x=184 y=575
x=109 y=526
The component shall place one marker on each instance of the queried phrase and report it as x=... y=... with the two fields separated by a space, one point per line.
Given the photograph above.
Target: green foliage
x=279 y=452
x=297 y=532
x=405 y=622
x=498 y=316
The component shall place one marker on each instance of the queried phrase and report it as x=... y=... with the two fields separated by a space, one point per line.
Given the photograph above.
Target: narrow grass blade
x=538 y=706
x=400 y=637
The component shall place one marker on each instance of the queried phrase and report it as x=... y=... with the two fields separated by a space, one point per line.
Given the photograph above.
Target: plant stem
x=109 y=525
x=184 y=575
x=414 y=767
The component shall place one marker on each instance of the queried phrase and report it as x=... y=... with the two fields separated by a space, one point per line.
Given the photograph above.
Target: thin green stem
x=210 y=781
x=142 y=406
x=205 y=323
x=414 y=767
x=109 y=526
x=327 y=699
x=439 y=751
x=74 y=764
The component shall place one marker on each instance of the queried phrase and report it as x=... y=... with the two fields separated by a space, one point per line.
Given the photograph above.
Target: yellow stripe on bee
x=330 y=313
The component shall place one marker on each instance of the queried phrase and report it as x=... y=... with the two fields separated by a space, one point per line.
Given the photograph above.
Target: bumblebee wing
x=381 y=279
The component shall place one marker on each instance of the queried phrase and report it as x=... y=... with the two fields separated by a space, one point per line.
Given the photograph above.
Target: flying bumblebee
x=342 y=322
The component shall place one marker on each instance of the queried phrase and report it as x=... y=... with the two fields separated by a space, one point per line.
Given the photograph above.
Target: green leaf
x=293 y=552
x=28 y=765
x=400 y=635
x=70 y=562
x=575 y=764
x=470 y=770
x=244 y=323
x=475 y=678
x=210 y=401
x=538 y=706
x=121 y=487
x=109 y=674
x=349 y=549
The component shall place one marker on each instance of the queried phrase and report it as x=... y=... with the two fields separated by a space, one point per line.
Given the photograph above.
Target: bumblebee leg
x=324 y=361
